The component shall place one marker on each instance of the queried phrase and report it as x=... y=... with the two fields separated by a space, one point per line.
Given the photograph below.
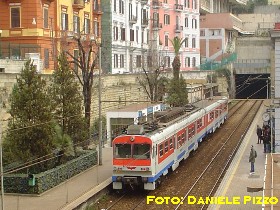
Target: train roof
x=168 y=128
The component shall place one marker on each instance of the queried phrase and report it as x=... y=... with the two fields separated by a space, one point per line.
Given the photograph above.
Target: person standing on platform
x=259 y=134
x=252 y=158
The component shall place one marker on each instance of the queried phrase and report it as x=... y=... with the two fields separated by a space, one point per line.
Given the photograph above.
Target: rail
x=214 y=158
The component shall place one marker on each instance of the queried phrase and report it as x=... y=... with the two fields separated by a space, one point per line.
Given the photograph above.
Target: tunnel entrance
x=252 y=86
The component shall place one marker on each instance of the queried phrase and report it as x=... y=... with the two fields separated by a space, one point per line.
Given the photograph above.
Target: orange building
x=36 y=29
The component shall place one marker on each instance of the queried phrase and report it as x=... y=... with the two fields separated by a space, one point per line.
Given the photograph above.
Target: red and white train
x=144 y=158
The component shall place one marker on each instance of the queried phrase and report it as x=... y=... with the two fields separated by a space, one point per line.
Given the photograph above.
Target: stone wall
x=121 y=90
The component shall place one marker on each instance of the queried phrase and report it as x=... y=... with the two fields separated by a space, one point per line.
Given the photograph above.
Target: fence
x=17 y=51
x=213 y=65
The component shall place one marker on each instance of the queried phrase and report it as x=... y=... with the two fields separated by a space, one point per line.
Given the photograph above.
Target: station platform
x=238 y=183
x=70 y=193
x=248 y=190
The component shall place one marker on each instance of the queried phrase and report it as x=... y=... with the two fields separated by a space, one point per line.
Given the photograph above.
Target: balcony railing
x=144 y=22
x=97 y=8
x=143 y=2
x=78 y=4
x=157 y=26
x=156 y=4
x=179 y=7
x=133 y=19
x=178 y=28
x=205 y=5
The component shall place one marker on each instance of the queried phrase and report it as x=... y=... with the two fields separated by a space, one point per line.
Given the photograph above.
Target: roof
x=134 y=107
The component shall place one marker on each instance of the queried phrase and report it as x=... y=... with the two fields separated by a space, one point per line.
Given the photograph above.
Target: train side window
x=199 y=123
x=183 y=138
x=179 y=141
x=216 y=113
x=211 y=115
x=166 y=146
x=161 y=150
x=171 y=143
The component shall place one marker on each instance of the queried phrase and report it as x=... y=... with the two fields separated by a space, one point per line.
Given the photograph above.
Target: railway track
x=215 y=170
x=192 y=177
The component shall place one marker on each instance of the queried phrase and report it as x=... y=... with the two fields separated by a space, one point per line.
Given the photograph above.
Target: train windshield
x=141 y=151
x=122 y=151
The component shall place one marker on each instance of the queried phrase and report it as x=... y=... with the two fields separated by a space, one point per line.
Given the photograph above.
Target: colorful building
x=37 y=29
x=217 y=38
x=125 y=35
x=137 y=34
x=180 y=18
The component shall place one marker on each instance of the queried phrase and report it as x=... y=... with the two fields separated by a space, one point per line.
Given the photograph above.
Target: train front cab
x=132 y=162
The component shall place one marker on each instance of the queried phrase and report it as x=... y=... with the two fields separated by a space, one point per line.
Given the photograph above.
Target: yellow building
x=37 y=29
x=273 y=2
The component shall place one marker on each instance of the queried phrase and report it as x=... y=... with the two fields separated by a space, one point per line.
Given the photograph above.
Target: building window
x=167 y=61
x=76 y=24
x=131 y=35
x=116 y=33
x=15 y=17
x=64 y=21
x=186 y=22
x=193 y=43
x=186 y=3
x=148 y=32
x=115 y=61
x=202 y=32
x=138 y=61
x=187 y=62
x=86 y=24
x=121 y=61
x=194 y=4
x=166 y=19
x=137 y=31
x=47 y=58
x=166 y=40
x=186 y=42
x=121 y=7
x=193 y=62
x=194 y=23
x=46 y=17
x=123 y=34
x=96 y=27
x=115 y=5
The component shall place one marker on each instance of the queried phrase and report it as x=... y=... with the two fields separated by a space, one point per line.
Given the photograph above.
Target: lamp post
x=0 y=44
x=99 y=107
x=1 y=165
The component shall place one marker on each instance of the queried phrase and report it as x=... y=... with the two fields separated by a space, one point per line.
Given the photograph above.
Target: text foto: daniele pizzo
x=220 y=200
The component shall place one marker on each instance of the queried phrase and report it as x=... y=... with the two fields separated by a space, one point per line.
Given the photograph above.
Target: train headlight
x=119 y=179
x=132 y=138
x=144 y=179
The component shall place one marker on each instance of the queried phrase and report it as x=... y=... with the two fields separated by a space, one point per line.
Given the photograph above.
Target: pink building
x=217 y=38
x=170 y=18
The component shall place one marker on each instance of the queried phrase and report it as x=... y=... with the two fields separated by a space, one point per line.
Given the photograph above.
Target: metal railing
x=214 y=65
x=17 y=51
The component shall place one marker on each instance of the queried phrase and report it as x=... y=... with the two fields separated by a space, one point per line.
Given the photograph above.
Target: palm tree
x=176 y=64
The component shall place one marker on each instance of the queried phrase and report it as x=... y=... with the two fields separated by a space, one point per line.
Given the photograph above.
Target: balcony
x=179 y=7
x=144 y=23
x=143 y=2
x=157 y=26
x=205 y=7
x=78 y=4
x=97 y=9
x=178 y=28
x=132 y=20
x=156 y=4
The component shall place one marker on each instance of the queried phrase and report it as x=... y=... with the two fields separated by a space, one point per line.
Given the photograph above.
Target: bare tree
x=152 y=81
x=84 y=64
